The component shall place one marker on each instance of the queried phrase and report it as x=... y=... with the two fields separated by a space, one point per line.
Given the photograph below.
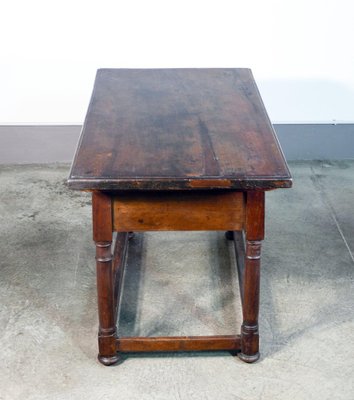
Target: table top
x=177 y=129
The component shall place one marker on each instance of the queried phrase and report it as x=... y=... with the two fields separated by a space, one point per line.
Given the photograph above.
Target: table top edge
x=206 y=183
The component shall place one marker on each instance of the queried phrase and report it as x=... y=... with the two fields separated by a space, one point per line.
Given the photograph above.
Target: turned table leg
x=102 y=235
x=251 y=279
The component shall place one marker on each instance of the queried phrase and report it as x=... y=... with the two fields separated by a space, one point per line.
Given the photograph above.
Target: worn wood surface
x=172 y=211
x=177 y=129
x=102 y=217
x=179 y=343
x=102 y=235
x=254 y=230
x=161 y=149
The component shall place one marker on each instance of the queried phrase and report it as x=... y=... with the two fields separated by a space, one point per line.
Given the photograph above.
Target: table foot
x=247 y=358
x=229 y=235
x=109 y=360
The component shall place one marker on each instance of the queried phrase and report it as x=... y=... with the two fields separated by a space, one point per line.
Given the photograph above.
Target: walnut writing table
x=177 y=149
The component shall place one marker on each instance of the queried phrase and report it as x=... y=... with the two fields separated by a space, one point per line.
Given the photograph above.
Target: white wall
x=301 y=52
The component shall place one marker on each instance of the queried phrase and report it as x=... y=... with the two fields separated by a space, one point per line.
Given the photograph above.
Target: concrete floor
x=177 y=283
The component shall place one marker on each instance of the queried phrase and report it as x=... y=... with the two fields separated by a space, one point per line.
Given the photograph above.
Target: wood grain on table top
x=171 y=129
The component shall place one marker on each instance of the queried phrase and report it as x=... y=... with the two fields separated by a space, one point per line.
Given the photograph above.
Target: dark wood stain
x=179 y=343
x=170 y=129
x=211 y=165
x=161 y=149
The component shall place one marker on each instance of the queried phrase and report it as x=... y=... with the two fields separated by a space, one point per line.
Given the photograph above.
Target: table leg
x=251 y=279
x=102 y=235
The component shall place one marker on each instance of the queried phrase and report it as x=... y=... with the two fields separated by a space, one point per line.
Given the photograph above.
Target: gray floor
x=177 y=283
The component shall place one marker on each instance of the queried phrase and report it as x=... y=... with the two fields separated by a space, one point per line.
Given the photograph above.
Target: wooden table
x=177 y=149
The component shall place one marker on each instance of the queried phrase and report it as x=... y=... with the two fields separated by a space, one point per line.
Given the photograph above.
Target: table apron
x=178 y=211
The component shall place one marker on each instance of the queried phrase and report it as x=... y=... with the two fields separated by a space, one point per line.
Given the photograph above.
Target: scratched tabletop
x=177 y=129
